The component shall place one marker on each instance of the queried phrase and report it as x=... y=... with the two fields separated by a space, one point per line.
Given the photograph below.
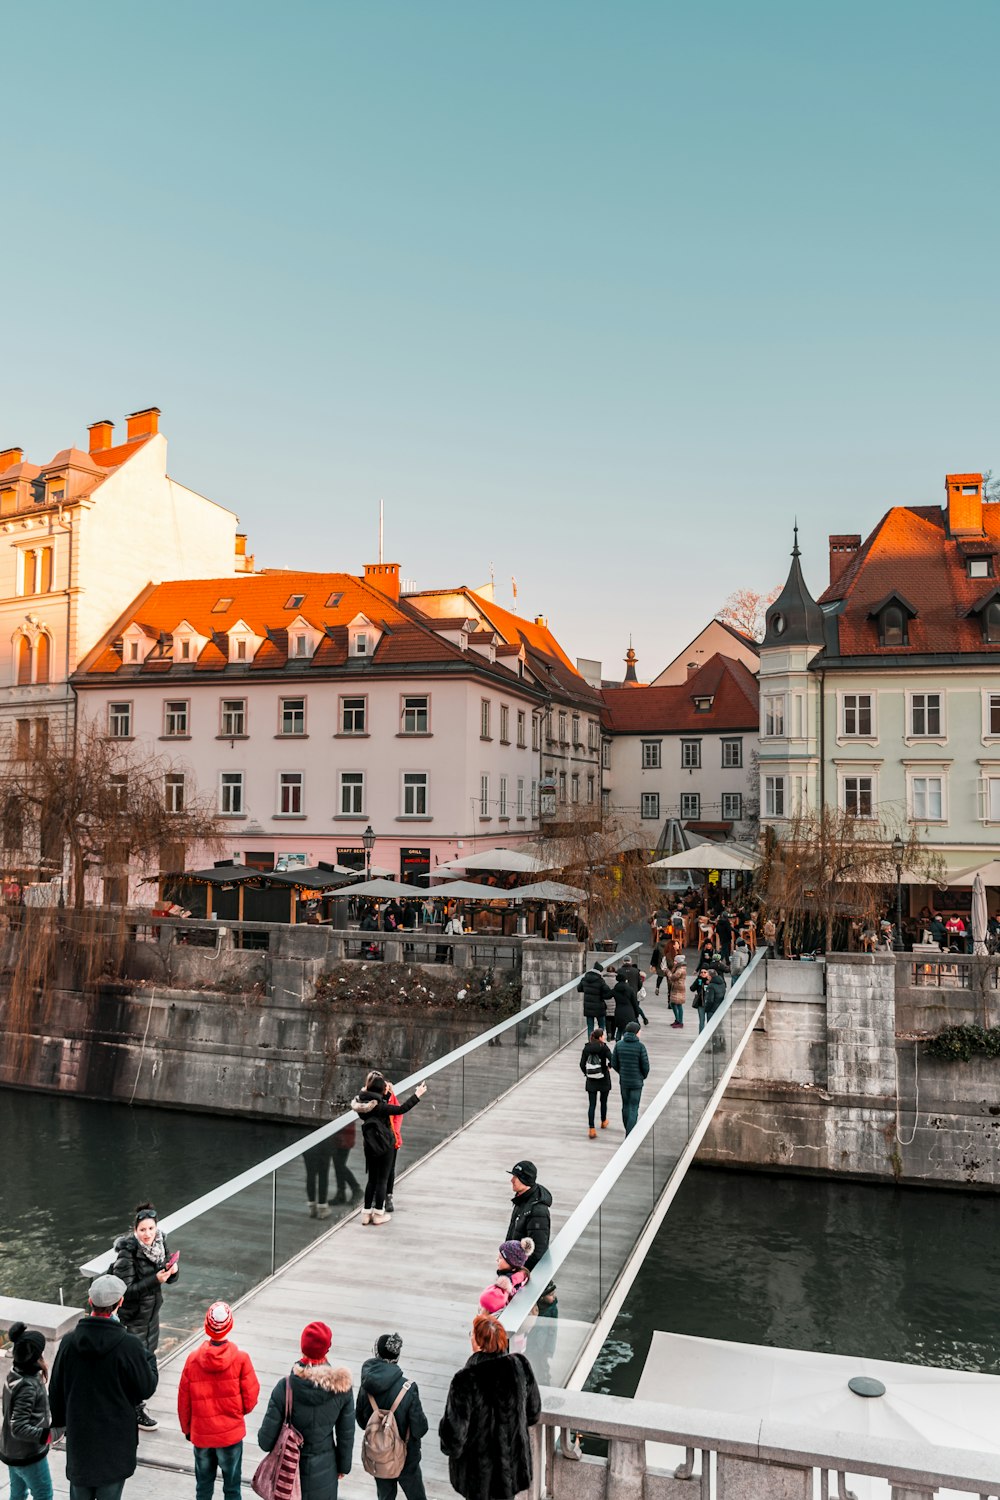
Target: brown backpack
x=383 y=1451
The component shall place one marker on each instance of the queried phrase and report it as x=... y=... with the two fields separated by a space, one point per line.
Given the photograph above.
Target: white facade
x=707 y=777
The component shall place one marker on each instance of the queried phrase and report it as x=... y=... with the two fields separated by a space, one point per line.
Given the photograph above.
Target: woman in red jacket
x=218 y=1388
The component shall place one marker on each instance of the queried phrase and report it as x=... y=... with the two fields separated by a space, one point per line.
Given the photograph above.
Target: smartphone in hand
x=172 y=1260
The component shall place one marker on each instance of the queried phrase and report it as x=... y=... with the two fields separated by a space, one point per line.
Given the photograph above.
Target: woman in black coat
x=492 y=1401
x=374 y=1110
x=142 y=1260
x=627 y=1007
x=595 y=1065
x=322 y=1410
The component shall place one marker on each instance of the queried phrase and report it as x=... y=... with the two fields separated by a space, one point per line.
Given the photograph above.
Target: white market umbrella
x=705 y=857
x=469 y=890
x=548 y=890
x=922 y=1403
x=980 y=915
x=497 y=859
x=384 y=889
x=990 y=873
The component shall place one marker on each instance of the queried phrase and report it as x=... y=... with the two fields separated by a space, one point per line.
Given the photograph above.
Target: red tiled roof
x=910 y=551
x=110 y=458
x=671 y=709
x=259 y=600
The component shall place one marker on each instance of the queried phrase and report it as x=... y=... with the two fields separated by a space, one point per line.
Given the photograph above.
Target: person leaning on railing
x=375 y=1112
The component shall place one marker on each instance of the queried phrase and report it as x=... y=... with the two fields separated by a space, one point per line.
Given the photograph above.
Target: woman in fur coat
x=492 y=1401
x=322 y=1410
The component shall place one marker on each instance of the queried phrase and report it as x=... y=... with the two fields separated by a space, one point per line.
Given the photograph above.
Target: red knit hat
x=316 y=1340
x=219 y=1321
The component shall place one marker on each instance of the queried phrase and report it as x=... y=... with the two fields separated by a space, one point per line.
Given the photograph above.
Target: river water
x=902 y=1274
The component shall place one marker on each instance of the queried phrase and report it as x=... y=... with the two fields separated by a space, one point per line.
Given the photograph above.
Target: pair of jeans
x=317 y=1160
x=678 y=1011
x=378 y=1165
x=346 y=1180
x=207 y=1462
x=97 y=1491
x=630 y=1107
x=31 y=1479
x=592 y=1096
x=597 y=1023
x=702 y=1018
x=410 y=1480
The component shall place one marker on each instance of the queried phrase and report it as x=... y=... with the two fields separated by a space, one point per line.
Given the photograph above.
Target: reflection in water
x=73 y=1171
x=805 y=1263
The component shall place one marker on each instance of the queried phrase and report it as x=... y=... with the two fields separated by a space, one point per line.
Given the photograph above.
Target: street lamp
x=897 y=856
x=368 y=840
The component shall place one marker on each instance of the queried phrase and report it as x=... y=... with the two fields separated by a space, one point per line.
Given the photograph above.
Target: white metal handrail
x=263 y=1169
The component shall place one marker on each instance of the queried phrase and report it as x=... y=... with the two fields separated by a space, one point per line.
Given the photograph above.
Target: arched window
x=991 y=623
x=23 y=661
x=893 y=626
x=43 y=652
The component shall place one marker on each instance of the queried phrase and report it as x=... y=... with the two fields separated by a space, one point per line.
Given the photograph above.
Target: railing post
x=756 y=1479
x=900 y=1492
x=274 y=1221
x=626 y=1470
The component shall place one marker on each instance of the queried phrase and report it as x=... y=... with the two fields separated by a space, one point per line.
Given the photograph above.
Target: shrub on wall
x=960 y=1043
x=379 y=986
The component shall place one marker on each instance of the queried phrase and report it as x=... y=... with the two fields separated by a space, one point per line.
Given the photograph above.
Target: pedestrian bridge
x=515 y=1091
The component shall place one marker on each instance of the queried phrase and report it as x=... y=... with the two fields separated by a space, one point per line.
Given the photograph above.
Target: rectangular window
x=574 y=788
x=520 y=797
x=732 y=754
x=774 y=796
x=353 y=715
x=606 y=754
x=605 y=801
x=173 y=789
x=534 y=797
x=980 y=567
x=45 y=570
x=732 y=806
x=415 y=794
x=241 y=648
x=858 y=714
x=690 y=754
x=26 y=579
x=522 y=728
x=773 y=712
x=651 y=755
x=289 y=792
x=233 y=717
x=590 y=788
x=650 y=804
x=993 y=800
x=484 y=719
x=592 y=734
x=536 y=732
x=231 y=793
x=22 y=739
x=300 y=645
x=503 y=797
x=927 y=799
x=691 y=805
x=925 y=714
x=563 y=719
x=484 y=796
x=361 y=643
x=118 y=786
x=576 y=730
x=120 y=721
x=184 y=648
x=352 y=793
x=133 y=650
x=994 y=713
x=416 y=715
x=858 y=798
x=562 y=787
x=41 y=737
x=175 y=718
x=292 y=718
x=504 y=724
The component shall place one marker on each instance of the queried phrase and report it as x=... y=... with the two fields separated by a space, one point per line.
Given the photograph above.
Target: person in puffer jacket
x=218 y=1387
x=322 y=1410
x=27 y=1421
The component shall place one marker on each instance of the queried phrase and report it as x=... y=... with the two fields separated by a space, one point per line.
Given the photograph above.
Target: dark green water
x=72 y=1171
x=904 y=1274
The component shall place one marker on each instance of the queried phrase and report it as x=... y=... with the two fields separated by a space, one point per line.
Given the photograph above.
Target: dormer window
x=363 y=637
x=240 y=649
x=979 y=567
x=361 y=643
x=300 y=646
x=132 y=651
x=184 y=648
x=892 y=616
x=991 y=623
x=703 y=705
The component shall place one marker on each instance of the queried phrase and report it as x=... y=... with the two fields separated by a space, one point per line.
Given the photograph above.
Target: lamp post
x=368 y=840
x=897 y=855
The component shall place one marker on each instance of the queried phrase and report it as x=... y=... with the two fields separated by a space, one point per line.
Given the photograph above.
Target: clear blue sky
x=601 y=294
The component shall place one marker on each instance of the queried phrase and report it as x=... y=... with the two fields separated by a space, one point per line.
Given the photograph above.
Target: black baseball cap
x=525 y=1171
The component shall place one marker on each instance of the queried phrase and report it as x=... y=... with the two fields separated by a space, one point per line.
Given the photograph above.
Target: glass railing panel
x=556 y=1340
x=238 y=1238
x=625 y=1210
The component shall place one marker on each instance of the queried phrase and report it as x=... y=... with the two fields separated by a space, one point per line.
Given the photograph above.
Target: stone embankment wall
x=259 y=1045
x=835 y=1083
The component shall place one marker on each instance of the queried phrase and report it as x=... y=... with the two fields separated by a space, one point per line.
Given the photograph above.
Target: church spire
x=630 y=661
x=794 y=619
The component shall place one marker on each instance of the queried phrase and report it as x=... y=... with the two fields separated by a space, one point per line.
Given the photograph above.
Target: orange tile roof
x=910 y=549
x=110 y=458
x=671 y=709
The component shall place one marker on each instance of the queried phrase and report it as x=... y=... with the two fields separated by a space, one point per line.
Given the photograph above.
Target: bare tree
x=603 y=853
x=991 y=487
x=95 y=805
x=745 y=610
x=828 y=870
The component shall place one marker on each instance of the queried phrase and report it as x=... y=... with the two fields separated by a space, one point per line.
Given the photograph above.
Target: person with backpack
x=322 y=1406
x=27 y=1422
x=595 y=1065
x=389 y=1411
x=375 y=1112
x=218 y=1388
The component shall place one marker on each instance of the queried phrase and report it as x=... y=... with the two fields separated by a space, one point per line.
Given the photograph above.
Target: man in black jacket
x=381 y=1382
x=596 y=994
x=100 y=1376
x=530 y=1218
x=629 y=971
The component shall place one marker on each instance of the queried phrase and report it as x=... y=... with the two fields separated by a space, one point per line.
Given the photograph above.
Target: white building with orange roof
x=82 y=534
x=311 y=705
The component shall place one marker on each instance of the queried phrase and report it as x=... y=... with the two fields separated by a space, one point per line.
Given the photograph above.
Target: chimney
x=692 y=668
x=842 y=549
x=244 y=559
x=241 y=544
x=101 y=435
x=965 y=504
x=384 y=577
x=9 y=457
x=142 y=424
x=542 y=620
